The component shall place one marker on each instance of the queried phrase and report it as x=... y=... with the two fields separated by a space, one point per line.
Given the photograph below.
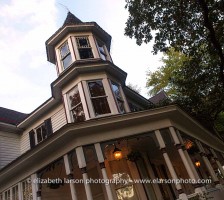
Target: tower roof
x=71 y=20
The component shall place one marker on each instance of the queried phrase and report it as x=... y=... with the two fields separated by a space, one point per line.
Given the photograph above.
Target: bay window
x=98 y=97
x=75 y=104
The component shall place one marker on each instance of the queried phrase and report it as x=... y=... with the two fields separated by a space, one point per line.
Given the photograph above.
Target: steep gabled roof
x=71 y=20
x=10 y=116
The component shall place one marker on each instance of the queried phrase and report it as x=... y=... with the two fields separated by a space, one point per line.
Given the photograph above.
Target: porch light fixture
x=117 y=153
x=197 y=163
x=188 y=144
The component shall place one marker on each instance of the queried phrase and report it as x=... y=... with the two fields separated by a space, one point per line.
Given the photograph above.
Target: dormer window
x=75 y=104
x=84 y=48
x=98 y=97
x=118 y=97
x=65 y=54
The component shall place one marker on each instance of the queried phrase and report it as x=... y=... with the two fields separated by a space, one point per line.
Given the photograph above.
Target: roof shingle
x=11 y=116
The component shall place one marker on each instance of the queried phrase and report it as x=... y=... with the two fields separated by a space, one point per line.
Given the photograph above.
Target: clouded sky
x=25 y=25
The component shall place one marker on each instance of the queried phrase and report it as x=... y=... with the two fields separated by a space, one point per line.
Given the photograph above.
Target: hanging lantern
x=197 y=163
x=117 y=153
x=188 y=144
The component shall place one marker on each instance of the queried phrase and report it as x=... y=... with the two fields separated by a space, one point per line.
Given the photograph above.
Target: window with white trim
x=40 y=133
x=27 y=190
x=102 y=51
x=98 y=97
x=84 y=47
x=66 y=58
x=118 y=97
x=75 y=105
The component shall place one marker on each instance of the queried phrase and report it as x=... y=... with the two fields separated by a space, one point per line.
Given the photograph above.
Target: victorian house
x=97 y=139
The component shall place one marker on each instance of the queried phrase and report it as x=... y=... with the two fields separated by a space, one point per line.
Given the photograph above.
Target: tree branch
x=213 y=37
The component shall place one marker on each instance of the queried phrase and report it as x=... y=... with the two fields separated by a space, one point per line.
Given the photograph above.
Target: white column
x=173 y=174
x=82 y=166
x=207 y=163
x=100 y=157
x=20 y=190
x=217 y=161
x=35 y=187
x=184 y=158
x=69 y=174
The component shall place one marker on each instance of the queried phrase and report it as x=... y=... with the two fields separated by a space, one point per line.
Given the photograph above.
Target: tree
x=193 y=29
x=159 y=80
x=134 y=87
x=183 y=25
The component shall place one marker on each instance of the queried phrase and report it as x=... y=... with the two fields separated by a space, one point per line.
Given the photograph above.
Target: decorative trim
x=178 y=146
x=203 y=154
x=39 y=193
x=163 y=150
x=216 y=182
x=70 y=176
x=180 y=191
x=102 y=165
x=83 y=170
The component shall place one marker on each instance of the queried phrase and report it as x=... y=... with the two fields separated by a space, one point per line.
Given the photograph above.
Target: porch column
x=174 y=176
x=35 y=187
x=208 y=164
x=19 y=191
x=184 y=159
x=217 y=161
x=68 y=170
x=100 y=157
x=82 y=165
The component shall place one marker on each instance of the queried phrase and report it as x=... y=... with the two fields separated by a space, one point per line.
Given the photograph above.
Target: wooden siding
x=58 y=120
x=9 y=148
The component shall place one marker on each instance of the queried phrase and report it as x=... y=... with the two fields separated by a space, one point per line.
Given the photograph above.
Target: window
x=27 y=190
x=75 y=104
x=84 y=48
x=40 y=133
x=65 y=53
x=102 y=51
x=98 y=97
x=118 y=97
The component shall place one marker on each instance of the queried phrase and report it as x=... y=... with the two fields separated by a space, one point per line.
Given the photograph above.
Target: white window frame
x=63 y=57
x=104 y=96
x=35 y=135
x=89 y=46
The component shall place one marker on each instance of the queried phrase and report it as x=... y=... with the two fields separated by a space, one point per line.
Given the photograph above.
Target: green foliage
x=193 y=70
x=161 y=78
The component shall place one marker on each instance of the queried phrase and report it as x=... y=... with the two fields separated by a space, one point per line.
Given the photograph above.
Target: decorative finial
x=64 y=6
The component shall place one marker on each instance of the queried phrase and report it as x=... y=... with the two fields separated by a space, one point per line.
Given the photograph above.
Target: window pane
x=116 y=90
x=100 y=106
x=96 y=89
x=78 y=114
x=67 y=61
x=44 y=132
x=64 y=50
x=39 y=135
x=85 y=53
x=121 y=105
x=74 y=97
x=83 y=42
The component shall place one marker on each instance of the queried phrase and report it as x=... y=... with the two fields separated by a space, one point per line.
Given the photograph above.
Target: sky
x=25 y=25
